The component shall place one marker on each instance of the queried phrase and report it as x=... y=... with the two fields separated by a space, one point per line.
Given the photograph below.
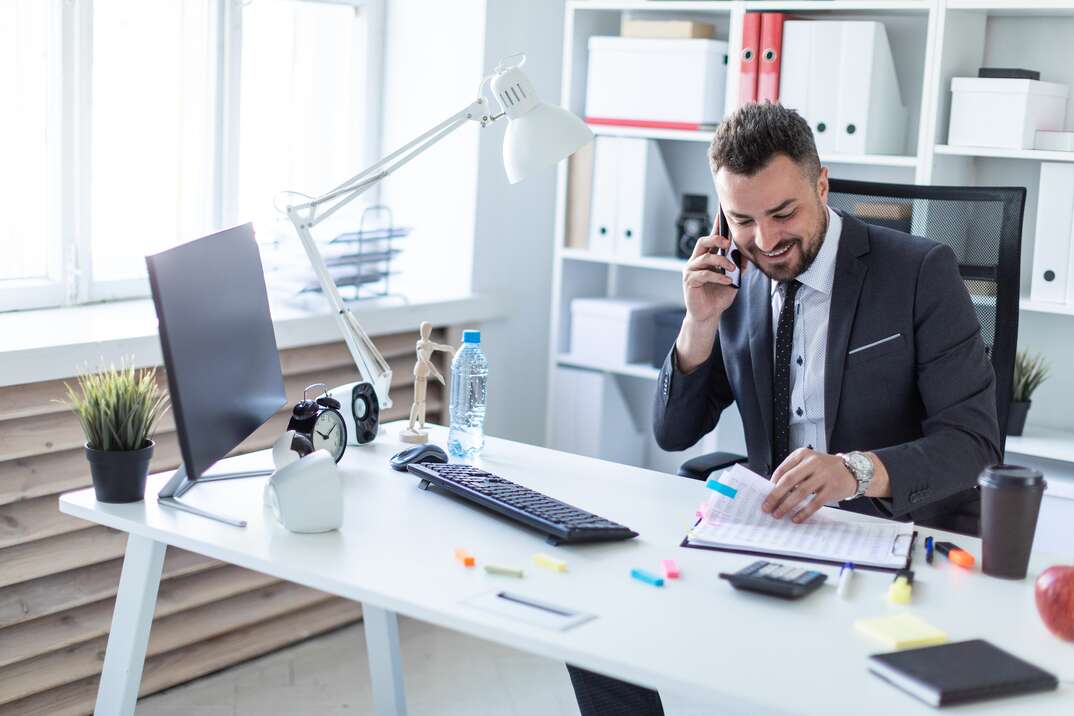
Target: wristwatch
x=861 y=467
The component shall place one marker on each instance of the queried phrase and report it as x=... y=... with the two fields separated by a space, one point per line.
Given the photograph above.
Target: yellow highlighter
x=549 y=562
x=901 y=587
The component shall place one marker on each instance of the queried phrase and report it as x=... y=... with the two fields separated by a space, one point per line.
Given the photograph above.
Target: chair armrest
x=699 y=468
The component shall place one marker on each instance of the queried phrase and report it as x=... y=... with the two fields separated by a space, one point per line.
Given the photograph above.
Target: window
x=140 y=124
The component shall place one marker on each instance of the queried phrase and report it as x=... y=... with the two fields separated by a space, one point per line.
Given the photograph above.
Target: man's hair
x=754 y=133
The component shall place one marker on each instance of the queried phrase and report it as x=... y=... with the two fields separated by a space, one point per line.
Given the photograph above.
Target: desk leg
x=385 y=667
x=131 y=620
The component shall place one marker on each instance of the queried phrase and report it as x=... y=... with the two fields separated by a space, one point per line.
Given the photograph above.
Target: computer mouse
x=419 y=453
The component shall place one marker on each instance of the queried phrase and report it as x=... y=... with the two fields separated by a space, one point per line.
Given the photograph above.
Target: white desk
x=749 y=653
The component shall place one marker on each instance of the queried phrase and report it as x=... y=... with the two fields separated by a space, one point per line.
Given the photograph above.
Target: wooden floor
x=447 y=674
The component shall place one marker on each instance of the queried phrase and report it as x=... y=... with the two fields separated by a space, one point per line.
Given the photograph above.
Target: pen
x=843 y=589
x=928 y=550
x=959 y=556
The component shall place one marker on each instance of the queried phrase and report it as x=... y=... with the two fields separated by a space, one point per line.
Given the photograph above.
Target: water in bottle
x=469 y=394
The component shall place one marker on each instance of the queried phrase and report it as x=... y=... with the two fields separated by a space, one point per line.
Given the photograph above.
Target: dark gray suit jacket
x=924 y=402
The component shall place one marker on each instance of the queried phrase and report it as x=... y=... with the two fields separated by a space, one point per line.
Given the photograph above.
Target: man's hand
x=807 y=472
x=707 y=292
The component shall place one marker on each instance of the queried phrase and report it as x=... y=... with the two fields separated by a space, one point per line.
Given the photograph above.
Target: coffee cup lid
x=1010 y=476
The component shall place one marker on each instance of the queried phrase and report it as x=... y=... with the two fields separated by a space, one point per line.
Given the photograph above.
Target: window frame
x=70 y=280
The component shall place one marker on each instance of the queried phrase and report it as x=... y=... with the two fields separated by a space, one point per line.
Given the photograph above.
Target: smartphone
x=736 y=256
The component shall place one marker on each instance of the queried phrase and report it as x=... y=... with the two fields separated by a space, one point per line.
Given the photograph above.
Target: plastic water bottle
x=469 y=394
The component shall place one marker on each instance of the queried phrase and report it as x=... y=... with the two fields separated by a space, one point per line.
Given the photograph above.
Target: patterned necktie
x=781 y=376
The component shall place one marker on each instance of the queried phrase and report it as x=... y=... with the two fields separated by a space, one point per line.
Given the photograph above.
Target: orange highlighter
x=959 y=556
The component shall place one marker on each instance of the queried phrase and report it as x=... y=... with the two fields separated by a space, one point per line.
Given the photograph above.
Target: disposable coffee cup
x=1010 y=501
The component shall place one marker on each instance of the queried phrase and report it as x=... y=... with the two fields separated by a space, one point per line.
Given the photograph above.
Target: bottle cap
x=471 y=336
x=1008 y=476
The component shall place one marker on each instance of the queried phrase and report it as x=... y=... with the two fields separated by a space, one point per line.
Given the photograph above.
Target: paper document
x=732 y=519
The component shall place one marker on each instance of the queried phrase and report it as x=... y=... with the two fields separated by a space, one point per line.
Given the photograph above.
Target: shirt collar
x=821 y=273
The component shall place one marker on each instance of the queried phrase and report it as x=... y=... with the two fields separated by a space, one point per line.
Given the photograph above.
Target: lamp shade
x=538 y=135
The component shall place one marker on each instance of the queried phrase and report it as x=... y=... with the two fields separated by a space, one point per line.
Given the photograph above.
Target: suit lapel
x=846 y=289
x=760 y=317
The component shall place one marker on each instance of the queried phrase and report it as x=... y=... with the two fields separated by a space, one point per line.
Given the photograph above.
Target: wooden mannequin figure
x=415 y=431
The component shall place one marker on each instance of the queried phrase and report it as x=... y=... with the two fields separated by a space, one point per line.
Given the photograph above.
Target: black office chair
x=983 y=225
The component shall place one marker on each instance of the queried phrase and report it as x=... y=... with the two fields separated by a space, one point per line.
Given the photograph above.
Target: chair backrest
x=983 y=225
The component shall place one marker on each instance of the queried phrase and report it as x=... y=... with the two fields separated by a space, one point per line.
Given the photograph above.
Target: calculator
x=779 y=580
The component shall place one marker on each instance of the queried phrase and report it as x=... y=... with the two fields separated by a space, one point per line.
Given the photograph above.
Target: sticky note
x=671 y=570
x=549 y=562
x=642 y=576
x=901 y=631
x=464 y=558
x=501 y=570
x=727 y=490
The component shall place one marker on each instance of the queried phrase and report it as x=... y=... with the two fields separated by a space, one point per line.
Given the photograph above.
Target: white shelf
x=994 y=152
x=1015 y=7
x=718 y=6
x=635 y=370
x=1048 y=443
x=705 y=136
x=657 y=263
x=1063 y=309
x=839 y=5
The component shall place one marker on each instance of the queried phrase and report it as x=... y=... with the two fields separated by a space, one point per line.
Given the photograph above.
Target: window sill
x=54 y=343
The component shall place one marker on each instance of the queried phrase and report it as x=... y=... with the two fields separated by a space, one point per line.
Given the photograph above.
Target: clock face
x=329 y=433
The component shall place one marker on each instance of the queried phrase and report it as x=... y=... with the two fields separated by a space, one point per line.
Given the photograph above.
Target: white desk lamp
x=538 y=135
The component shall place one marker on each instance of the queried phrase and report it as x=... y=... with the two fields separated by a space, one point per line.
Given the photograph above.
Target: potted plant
x=118 y=409
x=1029 y=372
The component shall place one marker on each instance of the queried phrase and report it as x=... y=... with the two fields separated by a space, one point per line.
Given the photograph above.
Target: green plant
x=1029 y=372
x=118 y=407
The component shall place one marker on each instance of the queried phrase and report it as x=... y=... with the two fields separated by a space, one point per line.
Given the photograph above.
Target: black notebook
x=960 y=672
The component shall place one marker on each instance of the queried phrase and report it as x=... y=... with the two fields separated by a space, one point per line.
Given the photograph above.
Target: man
x=852 y=351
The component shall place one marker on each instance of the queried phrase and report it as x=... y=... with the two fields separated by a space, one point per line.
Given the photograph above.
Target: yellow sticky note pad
x=901 y=631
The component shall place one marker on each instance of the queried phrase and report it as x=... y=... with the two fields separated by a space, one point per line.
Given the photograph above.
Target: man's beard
x=809 y=251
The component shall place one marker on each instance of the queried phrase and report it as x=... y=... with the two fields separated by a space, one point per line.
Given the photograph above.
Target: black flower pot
x=119 y=475
x=1016 y=416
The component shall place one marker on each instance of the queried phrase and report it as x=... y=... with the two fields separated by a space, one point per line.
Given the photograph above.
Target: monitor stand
x=179 y=484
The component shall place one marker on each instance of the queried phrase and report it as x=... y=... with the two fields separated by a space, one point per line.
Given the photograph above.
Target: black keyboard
x=563 y=523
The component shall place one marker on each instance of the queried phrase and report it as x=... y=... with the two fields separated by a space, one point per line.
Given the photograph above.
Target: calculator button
x=795 y=573
x=805 y=578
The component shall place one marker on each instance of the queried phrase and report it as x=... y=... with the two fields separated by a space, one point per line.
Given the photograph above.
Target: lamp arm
x=370 y=363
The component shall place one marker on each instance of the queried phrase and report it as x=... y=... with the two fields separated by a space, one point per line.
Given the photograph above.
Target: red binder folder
x=747 y=66
x=771 y=56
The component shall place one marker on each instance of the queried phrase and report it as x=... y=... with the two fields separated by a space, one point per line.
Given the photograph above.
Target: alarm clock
x=321 y=421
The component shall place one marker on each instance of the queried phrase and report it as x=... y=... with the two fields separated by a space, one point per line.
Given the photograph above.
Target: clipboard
x=814 y=560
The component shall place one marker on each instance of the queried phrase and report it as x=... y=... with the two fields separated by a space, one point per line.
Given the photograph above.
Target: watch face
x=329 y=433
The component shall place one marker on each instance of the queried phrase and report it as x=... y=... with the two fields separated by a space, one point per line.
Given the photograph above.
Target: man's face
x=777 y=216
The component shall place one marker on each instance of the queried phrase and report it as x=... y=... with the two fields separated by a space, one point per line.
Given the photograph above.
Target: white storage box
x=612 y=331
x=677 y=83
x=591 y=417
x=1006 y=113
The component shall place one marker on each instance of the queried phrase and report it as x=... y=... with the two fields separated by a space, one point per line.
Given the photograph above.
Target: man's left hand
x=808 y=472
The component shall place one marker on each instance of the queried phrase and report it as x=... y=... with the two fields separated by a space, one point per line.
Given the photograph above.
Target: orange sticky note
x=464 y=557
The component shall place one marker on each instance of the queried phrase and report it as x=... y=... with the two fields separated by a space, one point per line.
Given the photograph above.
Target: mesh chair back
x=983 y=225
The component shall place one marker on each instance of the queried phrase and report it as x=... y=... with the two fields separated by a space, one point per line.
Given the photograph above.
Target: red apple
x=1055 y=600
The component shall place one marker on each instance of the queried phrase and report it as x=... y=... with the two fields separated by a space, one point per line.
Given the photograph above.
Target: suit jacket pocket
x=874 y=349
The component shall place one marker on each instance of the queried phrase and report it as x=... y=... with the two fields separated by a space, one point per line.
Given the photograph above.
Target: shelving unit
x=932 y=41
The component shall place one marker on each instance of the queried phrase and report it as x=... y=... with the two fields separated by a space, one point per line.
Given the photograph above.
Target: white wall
x=433 y=65
x=513 y=240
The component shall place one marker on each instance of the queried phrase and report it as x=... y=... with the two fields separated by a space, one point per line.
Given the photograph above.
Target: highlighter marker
x=901 y=587
x=845 y=574
x=959 y=556
x=928 y=549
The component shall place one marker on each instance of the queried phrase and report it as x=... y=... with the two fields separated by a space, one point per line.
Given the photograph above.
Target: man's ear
x=822 y=185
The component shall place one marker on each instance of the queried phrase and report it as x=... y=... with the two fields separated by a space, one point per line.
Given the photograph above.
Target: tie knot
x=790 y=288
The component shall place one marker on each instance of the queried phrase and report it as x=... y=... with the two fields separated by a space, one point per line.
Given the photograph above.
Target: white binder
x=646 y=204
x=1052 y=253
x=602 y=206
x=795 y=66
x=633 y=207
x=871 y=115
x=824 y=83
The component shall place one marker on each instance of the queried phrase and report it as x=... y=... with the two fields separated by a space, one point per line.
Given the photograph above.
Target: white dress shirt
x=810 y=349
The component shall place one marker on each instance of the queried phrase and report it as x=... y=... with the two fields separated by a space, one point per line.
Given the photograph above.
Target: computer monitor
x=219 y=352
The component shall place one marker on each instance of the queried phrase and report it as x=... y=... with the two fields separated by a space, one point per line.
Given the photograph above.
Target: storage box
x=666 y=326
x=612 y=331
x=678 y=84
x=1004 y=113
x=666 y=28
x=591 y=416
